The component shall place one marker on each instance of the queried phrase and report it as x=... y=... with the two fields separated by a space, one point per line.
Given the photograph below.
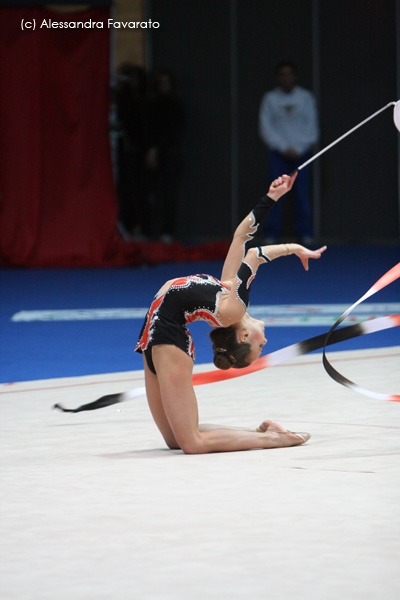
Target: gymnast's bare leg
x=174 y=407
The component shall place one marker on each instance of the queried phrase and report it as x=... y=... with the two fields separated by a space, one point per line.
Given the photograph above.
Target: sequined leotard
x=188 y=299
x=193 y=298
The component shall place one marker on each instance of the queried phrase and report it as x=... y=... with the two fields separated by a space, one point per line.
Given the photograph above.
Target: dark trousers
x=165 y=188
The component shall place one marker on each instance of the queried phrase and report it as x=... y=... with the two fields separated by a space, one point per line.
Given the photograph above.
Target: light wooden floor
x=95 y=507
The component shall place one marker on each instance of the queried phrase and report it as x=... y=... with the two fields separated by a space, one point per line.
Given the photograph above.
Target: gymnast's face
x=252 y=331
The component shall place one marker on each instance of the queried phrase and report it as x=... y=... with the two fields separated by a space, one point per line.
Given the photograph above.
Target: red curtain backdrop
x=58 y=205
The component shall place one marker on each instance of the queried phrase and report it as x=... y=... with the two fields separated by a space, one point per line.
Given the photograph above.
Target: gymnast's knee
x=172 y=444
x=195 y=445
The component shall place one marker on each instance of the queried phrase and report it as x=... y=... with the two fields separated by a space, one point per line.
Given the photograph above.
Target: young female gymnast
x=238 y=339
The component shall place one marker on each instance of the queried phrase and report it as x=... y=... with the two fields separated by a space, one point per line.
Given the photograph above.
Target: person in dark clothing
x=132 y=115
x=164 y=155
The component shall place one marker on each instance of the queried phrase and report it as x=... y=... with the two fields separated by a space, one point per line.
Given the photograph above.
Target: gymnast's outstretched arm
x=247 y=229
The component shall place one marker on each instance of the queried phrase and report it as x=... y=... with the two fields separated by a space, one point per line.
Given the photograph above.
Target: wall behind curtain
x=355 y=64
x=358 y=76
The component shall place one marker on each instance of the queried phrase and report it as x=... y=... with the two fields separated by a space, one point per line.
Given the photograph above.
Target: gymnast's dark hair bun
x=228 y=352
x=222 y=360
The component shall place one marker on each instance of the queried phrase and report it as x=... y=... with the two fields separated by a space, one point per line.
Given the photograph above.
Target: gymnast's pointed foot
x=270 y=426
x=293 y=438
x=303 y=435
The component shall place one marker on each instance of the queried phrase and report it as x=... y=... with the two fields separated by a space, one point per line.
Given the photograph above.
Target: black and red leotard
x=188 y=299
x=193 y=298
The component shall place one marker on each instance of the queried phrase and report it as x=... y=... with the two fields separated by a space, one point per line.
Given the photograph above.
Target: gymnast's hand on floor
x=304 y=254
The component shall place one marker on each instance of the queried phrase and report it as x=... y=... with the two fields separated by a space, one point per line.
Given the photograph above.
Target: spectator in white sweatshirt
x=288 y=125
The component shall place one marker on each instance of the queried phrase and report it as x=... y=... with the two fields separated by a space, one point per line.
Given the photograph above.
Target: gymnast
x=238 y=339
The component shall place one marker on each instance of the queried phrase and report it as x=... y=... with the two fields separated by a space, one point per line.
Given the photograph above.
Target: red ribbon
x=321 y=341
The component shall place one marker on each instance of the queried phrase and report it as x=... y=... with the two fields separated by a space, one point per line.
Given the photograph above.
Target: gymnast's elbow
x=241 y=236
